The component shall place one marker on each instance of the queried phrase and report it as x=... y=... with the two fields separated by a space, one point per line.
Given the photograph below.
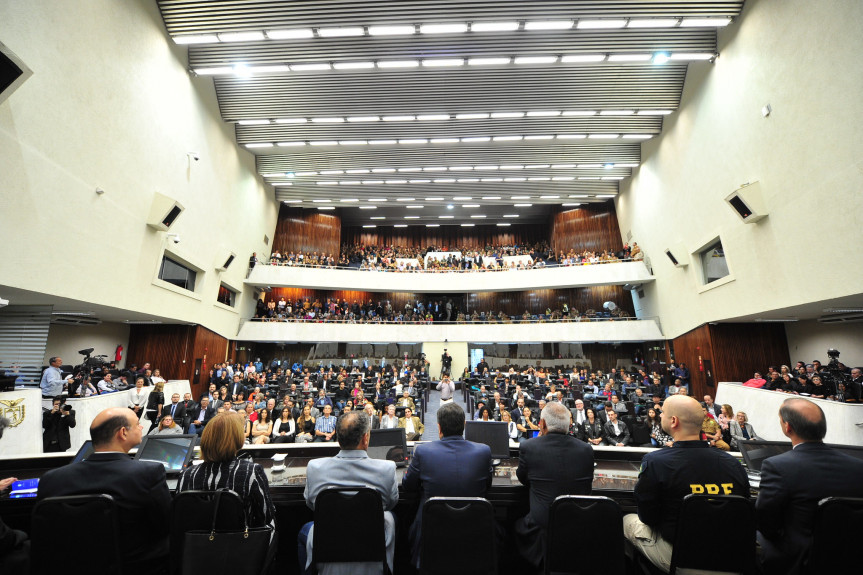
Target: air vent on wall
x=841 y=318
x=74 y=320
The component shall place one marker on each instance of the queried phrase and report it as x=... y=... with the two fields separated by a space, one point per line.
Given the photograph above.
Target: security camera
x=175 y=237
x=195 y=156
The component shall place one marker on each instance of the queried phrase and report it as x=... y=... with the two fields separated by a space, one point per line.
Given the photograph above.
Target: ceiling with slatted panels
x=446 y=112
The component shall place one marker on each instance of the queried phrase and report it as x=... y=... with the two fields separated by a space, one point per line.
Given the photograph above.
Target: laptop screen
x=389 y=444
x=173 y=451
x=754 y=452
x=491 y=433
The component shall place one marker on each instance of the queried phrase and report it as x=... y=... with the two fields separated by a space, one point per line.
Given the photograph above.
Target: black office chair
x=354 y=514
x=730 y=517
x=56 y=519
x=832 y=520
x=566 y=553
x=193 y=511
x=458 y=537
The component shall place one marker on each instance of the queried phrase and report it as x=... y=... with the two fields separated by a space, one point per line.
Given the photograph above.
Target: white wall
x=802 y=58
x=458 y=350
x=810 y=340
x=112 y=105
x=65 y=341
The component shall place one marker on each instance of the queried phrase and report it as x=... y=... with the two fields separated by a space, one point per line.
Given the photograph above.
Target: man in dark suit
x=191 y=407
x=793 y=483
x=236 y=387
x=373 y=419
x=616 y=432
x=552 y=464
x=175 y=409
x=200 y=415
x=451 y=467
x=138 y=488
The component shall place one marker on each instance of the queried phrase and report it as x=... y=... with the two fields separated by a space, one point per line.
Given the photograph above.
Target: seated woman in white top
x=167 y=427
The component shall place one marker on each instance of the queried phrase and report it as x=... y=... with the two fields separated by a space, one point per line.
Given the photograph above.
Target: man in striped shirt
x=325 y=425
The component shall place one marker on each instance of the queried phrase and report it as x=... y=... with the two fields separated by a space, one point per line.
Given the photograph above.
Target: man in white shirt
x=390 y=421
x=446 y=388
x=579 y=415
x=106 y=385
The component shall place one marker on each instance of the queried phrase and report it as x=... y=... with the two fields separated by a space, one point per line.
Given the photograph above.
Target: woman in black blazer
x=592 y=429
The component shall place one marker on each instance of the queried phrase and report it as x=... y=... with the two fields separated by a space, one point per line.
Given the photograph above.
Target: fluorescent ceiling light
x=382 y=142
x=364 y=118
x=519 y=197
x=398 y=63
x=654 y=112
x=435 y=199
x=510 y=215
x=291 y=121
x=560 y=179
x=290 y=34
x=522 y=205
x=541 y=137
x=629 y=57
x=494 y=26
x=400 y=226
x=507 y=138
x=353 y=65
x=352 y=142
x=274 y=69
x=503 y=225
x=692 y=56
x=395 y=182
x=435 y=169
x=306 y=174
x=414 y=169
x=350 y=183
x=476 y=139
x=432 y=225
x=616 y=112
x=589 y=166
x=282 y=184
x=445 y=181
x=470 y=205
x=535 y=59
x=582 y=58
x=374 y=183
x=600 y=24
x=430 y=117
x=558 y=166
x=376 y=200
x=341 y=32
x=705 y=22
x=260 y=145
x=360 y=171
x=491 y=197
x=461 y=198
x=292 y=201
x=580 y=113
x=412 y=217
x=549 y=197
x=612 y=177
x=444 y=140
x=578 y=195
x=548 y=25
x=369 y=226
x=442 y=62
x=515 y=179
x=196 y=39
x=309 y=67
x=486 y=167
x=398 y=118
x=253 y=122
x=513 y=167
x=443 y=28
x=472 y=116
x=405 y=199
x=478 y=216
x=324 y=143
x=445 y=217
x=660 y=58
x=497 y=115
x=604 y=196
x=326 y=208
x=466 y=181
x=368 y=207
x=653 y=23
x=414 y=141
x=332 y=172
x=241 y=36
x=467 y=225
x=391 y=30
x=570 y=204
x=460 y=168
x=214 y=71
x=571 y=136
x=625 y=165
x=488 y=61
x=415 y=207
x=603 y=136
x=491 y=180
x=540 y=179
x=333 y=120
x=637 y=136
x=536 y=167
x=383 y=170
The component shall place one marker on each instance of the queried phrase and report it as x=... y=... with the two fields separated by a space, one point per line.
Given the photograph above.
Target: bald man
x=669 y=475
x=138 y=488
x=793 y=483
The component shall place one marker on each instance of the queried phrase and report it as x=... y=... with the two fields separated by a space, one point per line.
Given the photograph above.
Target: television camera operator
x=56 y=423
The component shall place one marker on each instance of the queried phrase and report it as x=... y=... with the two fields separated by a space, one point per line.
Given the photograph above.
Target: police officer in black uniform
x=691 y=466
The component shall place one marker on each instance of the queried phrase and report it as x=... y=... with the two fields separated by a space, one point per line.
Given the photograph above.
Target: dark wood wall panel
x=304 y=230
x=209 y=348
x=741 y=349
x=536 y=301
x=447 y=236
x=604 y=356
x=589 y=227
x=398 y=299
x=687 y=349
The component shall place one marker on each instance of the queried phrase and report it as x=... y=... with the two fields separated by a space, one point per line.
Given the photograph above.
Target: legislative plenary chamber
x=423 y=287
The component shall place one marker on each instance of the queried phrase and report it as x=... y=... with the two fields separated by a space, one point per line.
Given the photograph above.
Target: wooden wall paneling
x=306 y=230
x=397 y=299
x=167 y=348
x=209 y=347
x=448 y=236
x=604 y=356
x=589 y=227
x=687 y=349
x=741 y=349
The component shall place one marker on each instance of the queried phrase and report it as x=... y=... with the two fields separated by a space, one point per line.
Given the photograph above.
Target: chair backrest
x=57 y=519
x=458 y=536
x=349 y=526
x=568 y=516
x=834 y=517
x=193 y=511
x=730 y=517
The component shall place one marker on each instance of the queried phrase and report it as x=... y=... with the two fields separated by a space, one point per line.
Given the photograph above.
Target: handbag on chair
x=246 y=551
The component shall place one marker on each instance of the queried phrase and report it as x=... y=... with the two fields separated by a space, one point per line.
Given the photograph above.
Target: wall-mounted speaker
x=225 y=261
x=164 y=212
x=748 y=203
x=678 y=255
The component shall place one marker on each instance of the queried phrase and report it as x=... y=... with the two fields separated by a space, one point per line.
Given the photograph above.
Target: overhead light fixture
x=412 y=217
x=692 y=56
x=391 y=30
x=637 y=136
x=510 y=215
x=414 y=141
x=579 y=113
x=502 y=225
x=350 y=183
x=444 y=140
x=539 y=179
x=571 y=136
x=353 y=65
x=558 y=166
x=374 y=183
x=654 y=112
x=470 y=205
x=467 y=225
x=445 y=217
x=432 y=225
x=500 y=115
x=353 y=142
x=549 y=197
x=398 y=118
x=382 y=142
x=478 y=216
x=383 y=170
x=349 y=200
x=253 y=122
x=74 y=313
x=494 y=26
x=443 y=62
x=467 y=181
x=326 y=207
x=519 y=197
x=376 y=200
x=332 y=172
x=241 y=36
x=360 y=171
x=324 y=143
x=400 y=226
x=443 y=28
x=512 y=167
x=569 y=205
x=476 y=139
x=507 y=138
x=540 y=137
x=491 y=197
x=548 y=25
x=535 y=59
x=629 y=57
x=603 y=136
x=341 y=32
x=328 y=120
x=292 y=201
x=414 y=169
x=295 y=34
x=660 y=58
x=395 y=182
x=290 y=144
x=260 y=145
x=488 y=61
x=310 y=67
x=420 y=182
x=705 y=22
x=369 y=226
x=196 y=39
x=398 y=63
x=435 y=199
x=415 y=207
x=600 y=24
x=604 y=196
x=616 y=112
x=472 y=116
x=842 y=310
x=543 y=113
x=377 y=218
x=364 y=118
x=433 y=117
x=522 y=205
x=291 y=121
x=368 y=207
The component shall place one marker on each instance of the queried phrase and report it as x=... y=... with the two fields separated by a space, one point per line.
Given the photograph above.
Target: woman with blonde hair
x=155 y=401
x=221 y=440
x=305 y=426
x=167 y=426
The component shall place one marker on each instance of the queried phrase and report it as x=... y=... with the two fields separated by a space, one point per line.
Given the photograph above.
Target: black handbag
x=246 y=551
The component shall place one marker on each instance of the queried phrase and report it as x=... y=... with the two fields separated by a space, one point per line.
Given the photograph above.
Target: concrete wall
x=66 y=340
x=801 y=58
x=810 y=340
x=112 y=105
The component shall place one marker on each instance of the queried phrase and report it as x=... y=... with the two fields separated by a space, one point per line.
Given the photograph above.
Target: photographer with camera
x=55 y=425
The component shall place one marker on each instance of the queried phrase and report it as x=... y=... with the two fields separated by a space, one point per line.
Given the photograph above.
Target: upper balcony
x=618 y=273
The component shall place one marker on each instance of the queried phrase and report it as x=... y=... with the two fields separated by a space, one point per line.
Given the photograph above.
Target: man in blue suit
x=793 y=483
x=451 y=467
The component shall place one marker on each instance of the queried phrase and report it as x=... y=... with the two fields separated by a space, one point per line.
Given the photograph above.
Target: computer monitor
x=492 y=433
x=174 y=452
x=754 y=452
x=84 y=452
x=389 y=444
